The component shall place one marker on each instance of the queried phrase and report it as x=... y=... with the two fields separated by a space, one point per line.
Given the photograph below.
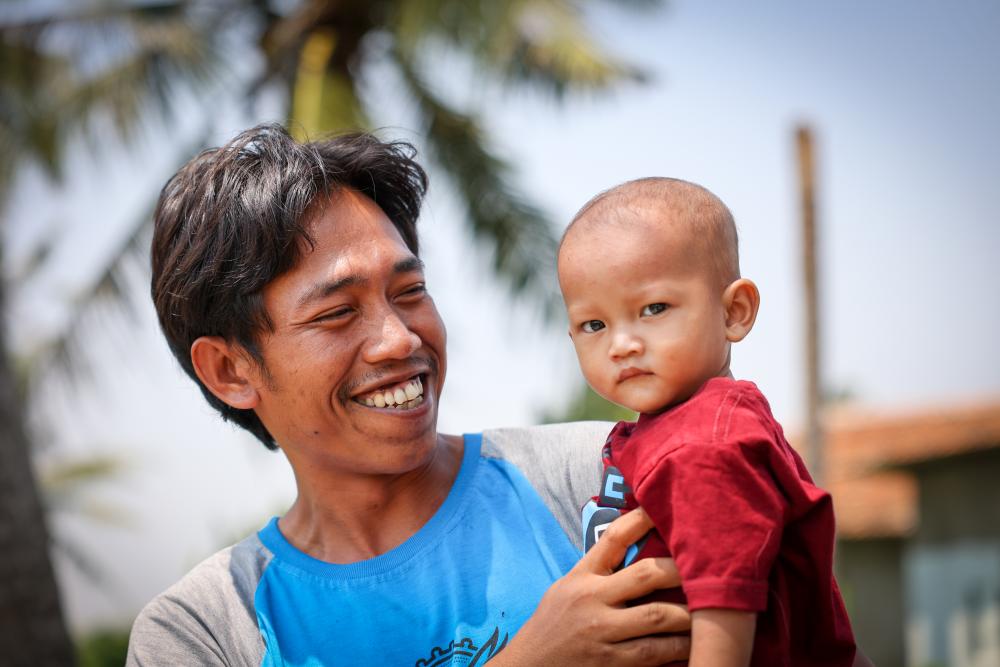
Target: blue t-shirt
x=493 y=528
x=453 y=594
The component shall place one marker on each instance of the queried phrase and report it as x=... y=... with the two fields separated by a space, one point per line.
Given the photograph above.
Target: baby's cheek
x=678 y=362
x=603 y=384
x=590 y=366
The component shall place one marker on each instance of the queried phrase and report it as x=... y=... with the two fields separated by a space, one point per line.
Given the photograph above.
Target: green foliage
x=521 y=237
x=321 y=50
x=587 y=406
x=116 y=61
x=67 y=488
x=105 y=648
x=122 y=62
x=543 y=43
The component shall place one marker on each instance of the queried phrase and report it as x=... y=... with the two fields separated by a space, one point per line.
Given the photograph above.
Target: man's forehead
x=348 y=223
x=325 y=288
x=349 y=242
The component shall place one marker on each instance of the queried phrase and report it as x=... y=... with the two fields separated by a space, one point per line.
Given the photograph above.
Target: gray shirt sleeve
x=207 y=618
x=561 y=461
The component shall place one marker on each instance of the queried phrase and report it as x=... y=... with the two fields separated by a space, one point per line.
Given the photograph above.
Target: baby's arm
x=721 y=637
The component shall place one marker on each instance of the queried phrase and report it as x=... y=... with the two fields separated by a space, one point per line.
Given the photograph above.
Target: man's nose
x=391 y=339
x=624 y=343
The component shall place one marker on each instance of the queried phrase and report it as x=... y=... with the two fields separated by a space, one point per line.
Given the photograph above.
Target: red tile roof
x=871 y=499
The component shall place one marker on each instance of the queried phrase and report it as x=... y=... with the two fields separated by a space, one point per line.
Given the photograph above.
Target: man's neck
x=352 y=518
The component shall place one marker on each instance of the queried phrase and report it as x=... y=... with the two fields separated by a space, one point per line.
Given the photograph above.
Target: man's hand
x=582 y=619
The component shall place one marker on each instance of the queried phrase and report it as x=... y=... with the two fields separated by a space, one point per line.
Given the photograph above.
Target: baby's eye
x=653 y=309
x=592 y=326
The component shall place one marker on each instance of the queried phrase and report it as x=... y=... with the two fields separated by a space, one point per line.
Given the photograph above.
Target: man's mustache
x=374 y=377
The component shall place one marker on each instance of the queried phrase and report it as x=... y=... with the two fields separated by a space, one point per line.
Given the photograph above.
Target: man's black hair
x=235 y=217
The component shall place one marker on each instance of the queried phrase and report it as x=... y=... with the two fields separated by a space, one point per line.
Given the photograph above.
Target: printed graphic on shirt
x=613 y=489
x=600 y=511
x=596 y=519
x=464 y=653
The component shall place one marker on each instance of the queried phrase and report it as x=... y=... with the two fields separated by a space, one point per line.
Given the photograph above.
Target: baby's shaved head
x=690 y=209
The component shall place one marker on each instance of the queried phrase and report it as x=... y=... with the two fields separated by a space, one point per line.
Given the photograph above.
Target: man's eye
x=335 y=314
x=653 y=309
x=416 y=290
x=592 y=326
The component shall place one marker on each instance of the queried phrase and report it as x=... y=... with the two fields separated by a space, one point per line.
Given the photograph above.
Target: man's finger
x=640 y=578
x=609 y=551
x=651 y=650
x=650 y=618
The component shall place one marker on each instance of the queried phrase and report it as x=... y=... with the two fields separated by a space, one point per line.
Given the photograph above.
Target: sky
x=902 y=97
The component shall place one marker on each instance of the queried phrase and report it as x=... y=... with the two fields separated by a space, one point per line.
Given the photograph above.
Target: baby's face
x=645 y=315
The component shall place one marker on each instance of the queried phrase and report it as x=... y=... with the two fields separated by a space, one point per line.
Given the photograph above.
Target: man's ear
x=741 y=301
x=226 y=371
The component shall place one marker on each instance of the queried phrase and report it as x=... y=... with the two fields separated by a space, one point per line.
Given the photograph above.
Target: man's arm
x=167 y=633
x=582 y=619
x=207 y=617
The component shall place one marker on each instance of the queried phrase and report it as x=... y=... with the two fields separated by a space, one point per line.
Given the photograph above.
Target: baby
x=650 y=274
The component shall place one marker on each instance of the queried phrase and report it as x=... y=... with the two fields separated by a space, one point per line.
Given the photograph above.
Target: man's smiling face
x=356 y=360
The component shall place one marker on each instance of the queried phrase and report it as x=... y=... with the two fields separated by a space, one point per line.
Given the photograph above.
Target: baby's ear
x=741 y=301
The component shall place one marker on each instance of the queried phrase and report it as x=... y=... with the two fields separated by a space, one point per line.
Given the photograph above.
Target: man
x=288 y=285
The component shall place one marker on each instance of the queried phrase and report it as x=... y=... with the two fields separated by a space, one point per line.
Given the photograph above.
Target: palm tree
x=324 y=49
x=51 y=91
x=72 y=72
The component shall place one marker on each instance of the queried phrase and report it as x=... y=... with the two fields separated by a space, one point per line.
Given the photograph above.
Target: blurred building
x=917 y=497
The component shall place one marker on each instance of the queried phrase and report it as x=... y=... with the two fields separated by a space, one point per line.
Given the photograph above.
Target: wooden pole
x=807 y=184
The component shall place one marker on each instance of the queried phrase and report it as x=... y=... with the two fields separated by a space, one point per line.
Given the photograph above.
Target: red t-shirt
x=747 y=527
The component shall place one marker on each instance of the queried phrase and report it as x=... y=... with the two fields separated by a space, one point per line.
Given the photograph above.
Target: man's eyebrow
x=323 y=290
x=407 y=265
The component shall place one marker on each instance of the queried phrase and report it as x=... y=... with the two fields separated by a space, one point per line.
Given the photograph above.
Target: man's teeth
x=408 y=396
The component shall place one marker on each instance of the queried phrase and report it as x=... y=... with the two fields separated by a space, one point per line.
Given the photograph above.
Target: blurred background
x=521 y=111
